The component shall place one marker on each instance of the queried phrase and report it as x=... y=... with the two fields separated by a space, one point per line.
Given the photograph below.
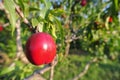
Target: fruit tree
x=58 y=37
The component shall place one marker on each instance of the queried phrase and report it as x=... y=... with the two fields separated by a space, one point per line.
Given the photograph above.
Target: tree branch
x=19 y=54
x=72 y=39
x=85 y=69
x=25 y=20
x=35 y=77
x=68 y=40
x=1 y=6
x=6 y=24
x=51 y=72
x=42 y=71
x=72 y=34
x=18 y=38
x=52 y=68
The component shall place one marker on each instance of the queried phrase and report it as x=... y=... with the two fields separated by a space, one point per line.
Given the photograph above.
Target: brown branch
x=6 y=24
x=85 y=69
x=41 y=71
x=19 y=54
x=25 y=20
x=51 y=72
x=1 y=6
x=67 y=48
x=72 y=36
x=20 y=13
x=68 y=41
x=35 y=77
x=72 y=39
x=52 y=68
x=18 y=38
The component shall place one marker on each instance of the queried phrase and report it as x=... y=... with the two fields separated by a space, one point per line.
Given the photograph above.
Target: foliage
x=86 y=27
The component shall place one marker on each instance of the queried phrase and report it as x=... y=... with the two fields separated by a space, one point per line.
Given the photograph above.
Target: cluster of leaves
x=61 y=18
x=98 y=35
x=64 y=20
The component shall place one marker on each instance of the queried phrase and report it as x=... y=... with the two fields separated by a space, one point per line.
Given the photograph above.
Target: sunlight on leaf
x=10 y=6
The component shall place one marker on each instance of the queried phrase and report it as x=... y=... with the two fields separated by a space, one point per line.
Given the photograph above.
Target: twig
x=67 y=48
x=25 y=20
x=51 y=72
x=35 y=77
x=85 y=69
x=1 y=6
x=6 y=24
x=70 y=37
x=52 y=69
x=20 y=13
x=41 y=71
x=68 y=41
x=19 y=54
x=18 y=42
x=18 y=38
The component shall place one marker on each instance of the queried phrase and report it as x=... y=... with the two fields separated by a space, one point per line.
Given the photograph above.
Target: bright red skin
x=1 y=28
x=83 y=2
x=110 y=19
x=40 y=48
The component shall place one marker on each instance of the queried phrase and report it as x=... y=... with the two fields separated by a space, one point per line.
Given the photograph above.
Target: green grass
x=70 y=67
x=67 y=69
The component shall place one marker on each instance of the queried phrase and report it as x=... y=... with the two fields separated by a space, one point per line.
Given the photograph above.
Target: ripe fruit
x=40 y=48
x=110 y=19
x=83 y=2
x=1 y=28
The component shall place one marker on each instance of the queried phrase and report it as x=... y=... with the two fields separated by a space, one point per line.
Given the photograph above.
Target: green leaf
x=59 y=28
x=54 y=31
x=26 y=9
x=10 y=6
x=40 y=27
x=116 y=4
x=57 y=12
x=43 y=12
x=106 y=23
x=20 y=2
x=7 y=70
x=48 y=4
x=34 y=22
x=34 y=9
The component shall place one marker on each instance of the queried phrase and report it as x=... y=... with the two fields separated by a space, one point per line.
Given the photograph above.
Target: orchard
x=59 y=39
